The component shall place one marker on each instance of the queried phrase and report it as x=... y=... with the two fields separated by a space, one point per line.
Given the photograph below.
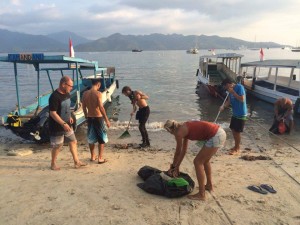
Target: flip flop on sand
x=257 y=189
x=233 y=152
x=269 y=188
x=104 y=161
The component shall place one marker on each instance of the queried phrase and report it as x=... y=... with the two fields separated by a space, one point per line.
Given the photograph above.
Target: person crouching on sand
x=214 y=137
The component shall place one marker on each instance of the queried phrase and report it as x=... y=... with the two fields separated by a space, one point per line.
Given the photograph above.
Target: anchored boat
x=31 y=122
x=272 y=79
x=213 y=69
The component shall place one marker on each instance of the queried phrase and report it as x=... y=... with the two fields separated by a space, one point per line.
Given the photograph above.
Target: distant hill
x=64 y=36
x=20 y=42
x=58 y=42
x=119 y=42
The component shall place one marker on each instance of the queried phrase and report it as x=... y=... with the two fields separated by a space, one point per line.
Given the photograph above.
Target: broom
x=126 y=133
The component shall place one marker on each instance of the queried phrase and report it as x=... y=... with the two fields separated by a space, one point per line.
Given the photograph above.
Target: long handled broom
x=126 y=133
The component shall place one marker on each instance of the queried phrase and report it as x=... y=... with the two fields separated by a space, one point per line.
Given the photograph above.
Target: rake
x=126 y=133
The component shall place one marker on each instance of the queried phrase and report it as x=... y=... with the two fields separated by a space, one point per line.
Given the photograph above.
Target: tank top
x=201 y=130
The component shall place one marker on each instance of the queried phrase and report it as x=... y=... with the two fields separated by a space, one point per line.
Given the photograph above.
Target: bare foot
x=197 y=196
x=79 y=165
x=234 y=152
x=209 y=188
x=54 y=167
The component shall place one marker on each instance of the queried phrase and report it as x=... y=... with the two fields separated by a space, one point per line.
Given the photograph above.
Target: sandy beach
x=107 y=193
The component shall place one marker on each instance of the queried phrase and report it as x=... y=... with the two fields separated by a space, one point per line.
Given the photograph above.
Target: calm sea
x=167 y=77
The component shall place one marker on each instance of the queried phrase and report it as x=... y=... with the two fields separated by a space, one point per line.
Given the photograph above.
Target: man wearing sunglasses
x=60 y=122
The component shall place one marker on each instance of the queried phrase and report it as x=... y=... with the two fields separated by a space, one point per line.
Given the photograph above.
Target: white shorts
x=218 y=140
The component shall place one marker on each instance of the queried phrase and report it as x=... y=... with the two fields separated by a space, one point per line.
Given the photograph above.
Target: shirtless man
x=139 y=99
x=95 y=113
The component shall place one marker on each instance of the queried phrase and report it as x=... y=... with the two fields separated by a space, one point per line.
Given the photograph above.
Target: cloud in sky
x=267 y=20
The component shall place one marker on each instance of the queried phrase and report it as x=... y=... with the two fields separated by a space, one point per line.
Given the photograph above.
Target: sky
x=250 y=20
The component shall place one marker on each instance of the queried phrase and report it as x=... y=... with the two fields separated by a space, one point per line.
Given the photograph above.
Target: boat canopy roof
x=223 y=56
x=287 y=63
x=40 y=58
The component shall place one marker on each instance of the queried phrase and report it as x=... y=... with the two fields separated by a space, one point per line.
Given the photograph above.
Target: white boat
x=296 y=49
x=213 y=69
x=192 y=51
x=272 y=79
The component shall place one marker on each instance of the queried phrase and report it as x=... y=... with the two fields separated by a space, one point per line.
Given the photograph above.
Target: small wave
x=121 y=125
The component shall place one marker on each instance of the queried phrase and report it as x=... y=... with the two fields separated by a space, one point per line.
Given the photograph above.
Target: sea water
x=167 y=77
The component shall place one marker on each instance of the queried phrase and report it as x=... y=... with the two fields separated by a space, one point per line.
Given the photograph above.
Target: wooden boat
x=31 y=122
x=213 y=69
x=271 y=79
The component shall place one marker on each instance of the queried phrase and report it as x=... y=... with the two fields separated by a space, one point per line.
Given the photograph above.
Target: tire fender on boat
x=297 y=108
x=108 y=96
x=74 y=125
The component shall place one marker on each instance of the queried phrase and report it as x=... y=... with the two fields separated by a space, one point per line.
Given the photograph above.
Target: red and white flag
x=261 y=54
x=71 y=49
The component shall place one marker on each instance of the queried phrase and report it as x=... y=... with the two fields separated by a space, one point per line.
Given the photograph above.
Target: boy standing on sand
x=95 y=113
x=237 y=99
x=139 y=99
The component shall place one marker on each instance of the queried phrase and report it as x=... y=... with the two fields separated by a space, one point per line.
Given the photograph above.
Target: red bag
x=281 y=127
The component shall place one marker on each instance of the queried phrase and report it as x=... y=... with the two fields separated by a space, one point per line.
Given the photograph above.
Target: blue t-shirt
x=239 y=109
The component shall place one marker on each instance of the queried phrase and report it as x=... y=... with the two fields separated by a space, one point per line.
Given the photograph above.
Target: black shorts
x=237 y=124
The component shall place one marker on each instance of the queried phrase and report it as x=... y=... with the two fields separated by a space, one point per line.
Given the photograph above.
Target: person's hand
x=173 y=171
x=230 y=90
x=108 y=124
x=66 y=127
x=222 y=107
x=71 y=120
x=131 y=114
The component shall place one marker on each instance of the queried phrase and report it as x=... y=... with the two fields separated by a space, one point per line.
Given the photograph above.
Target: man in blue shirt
x=237 y=99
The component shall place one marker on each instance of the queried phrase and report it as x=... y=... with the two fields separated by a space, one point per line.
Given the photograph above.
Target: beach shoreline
x=107 y=193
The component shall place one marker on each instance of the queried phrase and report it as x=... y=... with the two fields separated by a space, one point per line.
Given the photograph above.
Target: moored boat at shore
x=213 y=69
x=272 y=79
x=31 y=122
